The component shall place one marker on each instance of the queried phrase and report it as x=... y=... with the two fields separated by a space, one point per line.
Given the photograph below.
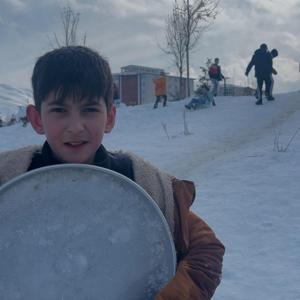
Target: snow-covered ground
x=247 y=188
x=12 y=101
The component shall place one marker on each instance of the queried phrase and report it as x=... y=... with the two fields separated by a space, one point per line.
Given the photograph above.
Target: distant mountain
x=13 y=102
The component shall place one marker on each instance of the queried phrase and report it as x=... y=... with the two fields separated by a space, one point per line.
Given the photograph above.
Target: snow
x=12 y=101
x=247 y=189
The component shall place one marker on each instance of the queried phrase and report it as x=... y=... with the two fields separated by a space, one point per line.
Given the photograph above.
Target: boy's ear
x=111 y=118
x=34 y=116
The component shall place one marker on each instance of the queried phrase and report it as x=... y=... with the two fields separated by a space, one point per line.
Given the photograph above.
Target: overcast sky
x=129 y=31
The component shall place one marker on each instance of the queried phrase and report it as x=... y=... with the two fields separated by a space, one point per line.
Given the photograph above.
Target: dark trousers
x=158 y=100
x=260 y=82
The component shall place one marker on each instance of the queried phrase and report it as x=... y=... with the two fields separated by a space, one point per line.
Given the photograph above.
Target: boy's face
x=74 y=129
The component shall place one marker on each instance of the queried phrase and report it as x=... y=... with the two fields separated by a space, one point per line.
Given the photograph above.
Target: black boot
x=165 y=100
x=259 y=102
x=271 y=98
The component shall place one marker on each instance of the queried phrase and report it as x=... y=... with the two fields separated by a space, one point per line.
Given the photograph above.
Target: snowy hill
x=245 y=162
x=11 y=100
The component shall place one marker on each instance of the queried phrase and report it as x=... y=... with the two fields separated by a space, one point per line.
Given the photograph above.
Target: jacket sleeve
x=199 y=252
x=250 y=65
x=270 y=64
x=221 y=77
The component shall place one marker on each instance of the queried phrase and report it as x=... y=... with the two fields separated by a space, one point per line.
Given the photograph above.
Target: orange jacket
x=160 y=86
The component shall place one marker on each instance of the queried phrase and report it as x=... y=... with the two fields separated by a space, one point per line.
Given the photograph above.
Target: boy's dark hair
x=72 y=71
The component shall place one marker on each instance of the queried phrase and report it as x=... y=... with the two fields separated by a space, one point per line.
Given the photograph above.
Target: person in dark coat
x=270 y=97
x=262 y=61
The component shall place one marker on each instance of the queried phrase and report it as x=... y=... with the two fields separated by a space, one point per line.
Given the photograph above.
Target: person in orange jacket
x=160 y=89
x=73 y=96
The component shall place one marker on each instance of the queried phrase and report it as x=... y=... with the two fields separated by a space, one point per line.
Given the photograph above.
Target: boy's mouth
x=75 y=144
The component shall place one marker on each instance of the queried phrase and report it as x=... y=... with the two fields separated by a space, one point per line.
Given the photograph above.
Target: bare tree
x=70 y=22
x=198 y=15
x=175 y=42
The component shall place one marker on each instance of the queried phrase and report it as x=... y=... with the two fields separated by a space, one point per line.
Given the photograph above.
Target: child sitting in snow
x=205 y=98
x=73 y=94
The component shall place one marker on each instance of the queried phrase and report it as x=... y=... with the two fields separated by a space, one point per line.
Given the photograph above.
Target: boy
x=160 y=89
x=203 y=98
x=215 y=75
x=73 y=94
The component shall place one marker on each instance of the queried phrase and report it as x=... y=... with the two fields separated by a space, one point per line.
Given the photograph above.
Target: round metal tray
x=81 y=232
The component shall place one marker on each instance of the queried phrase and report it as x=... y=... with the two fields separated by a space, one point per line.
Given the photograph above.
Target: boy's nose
x=75 y=124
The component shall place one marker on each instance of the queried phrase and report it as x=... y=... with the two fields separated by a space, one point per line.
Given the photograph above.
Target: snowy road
x=228 y=139
x=250 y=195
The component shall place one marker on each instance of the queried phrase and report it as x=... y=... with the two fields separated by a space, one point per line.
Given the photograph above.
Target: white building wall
x=147 y=88
x=173 y=88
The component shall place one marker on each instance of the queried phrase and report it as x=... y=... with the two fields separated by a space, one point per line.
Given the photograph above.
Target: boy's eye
x=58 y=109
x=91 y=109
